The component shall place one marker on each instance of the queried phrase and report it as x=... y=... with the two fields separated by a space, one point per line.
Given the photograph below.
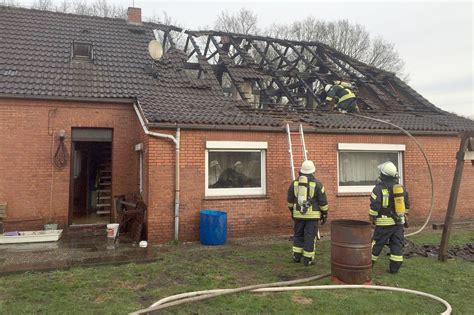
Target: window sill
x=353 y=194
x=236 y=197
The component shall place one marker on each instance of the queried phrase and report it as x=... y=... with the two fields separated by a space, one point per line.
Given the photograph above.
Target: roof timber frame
x=295 y=70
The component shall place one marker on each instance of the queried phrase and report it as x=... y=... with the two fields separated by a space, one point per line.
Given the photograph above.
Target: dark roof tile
x=35 y=59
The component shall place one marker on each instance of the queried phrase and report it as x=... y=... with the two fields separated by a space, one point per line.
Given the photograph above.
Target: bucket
x=112 y=230
x=351 y=251
x=213 y=227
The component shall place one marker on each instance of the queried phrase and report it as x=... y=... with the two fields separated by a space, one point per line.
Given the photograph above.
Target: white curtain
x=360 y=168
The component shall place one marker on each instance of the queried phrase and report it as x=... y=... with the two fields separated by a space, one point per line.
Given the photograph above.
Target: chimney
x=134 y=16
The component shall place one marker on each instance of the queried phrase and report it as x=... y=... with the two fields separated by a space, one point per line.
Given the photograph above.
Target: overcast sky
x=433 y=38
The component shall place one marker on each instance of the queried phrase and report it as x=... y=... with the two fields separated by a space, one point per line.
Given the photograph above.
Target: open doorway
x=91 y=176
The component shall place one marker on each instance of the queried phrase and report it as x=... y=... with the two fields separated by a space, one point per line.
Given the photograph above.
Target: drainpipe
x=176 y=141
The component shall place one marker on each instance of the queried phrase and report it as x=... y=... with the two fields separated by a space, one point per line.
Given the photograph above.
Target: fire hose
x=283 y=286
x=426 y=160
x=188 y=297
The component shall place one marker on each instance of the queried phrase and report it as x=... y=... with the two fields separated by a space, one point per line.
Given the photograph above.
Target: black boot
x=394 y=266
x=308 y=261
x=297 y=257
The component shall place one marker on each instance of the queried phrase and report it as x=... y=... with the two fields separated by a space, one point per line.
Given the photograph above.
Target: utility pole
x=465 y=153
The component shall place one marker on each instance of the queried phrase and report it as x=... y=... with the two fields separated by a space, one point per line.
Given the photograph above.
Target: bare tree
x=81 y=7
x=10 y=3
x=97 y=7
x=163 y=18
x=242 y=22
x=64 y=6
x=351 y=39
x=383 y=55
x=105 y=9
x=42 y=5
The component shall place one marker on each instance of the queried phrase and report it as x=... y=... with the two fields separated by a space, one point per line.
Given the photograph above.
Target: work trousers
x=349 y=105
x=304 y=237
x=393 y=235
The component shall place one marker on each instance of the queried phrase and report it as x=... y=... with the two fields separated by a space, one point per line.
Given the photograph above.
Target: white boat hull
x=31 y=237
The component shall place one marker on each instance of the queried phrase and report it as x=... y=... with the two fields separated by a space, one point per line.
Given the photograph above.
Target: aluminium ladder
x=291 y=145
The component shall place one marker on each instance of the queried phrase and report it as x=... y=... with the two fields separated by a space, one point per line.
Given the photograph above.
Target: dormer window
x=82 y=51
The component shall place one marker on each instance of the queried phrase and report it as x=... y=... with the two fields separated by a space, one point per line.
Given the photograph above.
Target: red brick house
x=86 y=114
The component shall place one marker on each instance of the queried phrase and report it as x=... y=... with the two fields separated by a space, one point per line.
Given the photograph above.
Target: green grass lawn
x=191 y=267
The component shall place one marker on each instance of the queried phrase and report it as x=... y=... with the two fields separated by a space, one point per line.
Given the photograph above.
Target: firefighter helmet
x=388 y=169
x=327 y=87
x=307 y=167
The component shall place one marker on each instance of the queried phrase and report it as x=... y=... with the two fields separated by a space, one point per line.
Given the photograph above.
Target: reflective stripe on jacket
x=339 y=92
x=317 y=196
x=382 y=205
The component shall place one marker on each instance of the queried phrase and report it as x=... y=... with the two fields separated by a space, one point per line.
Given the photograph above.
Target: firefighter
x=389 y=206
x=344 y=97
x=308 y=205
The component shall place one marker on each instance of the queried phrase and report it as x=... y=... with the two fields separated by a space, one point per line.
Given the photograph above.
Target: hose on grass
x=207 y=294
x=424 y=156
x=182 y=298
x=354 y=286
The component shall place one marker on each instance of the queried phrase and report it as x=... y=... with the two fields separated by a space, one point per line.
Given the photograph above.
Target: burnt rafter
x=224 y=59
x=309 y=89
x=290 y=69
x=277 y=81
x=355 y=66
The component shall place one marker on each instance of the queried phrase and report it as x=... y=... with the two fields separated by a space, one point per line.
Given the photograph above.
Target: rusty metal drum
x=351 y=255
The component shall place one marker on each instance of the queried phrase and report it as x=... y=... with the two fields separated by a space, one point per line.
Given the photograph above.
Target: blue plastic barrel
x=213 y=227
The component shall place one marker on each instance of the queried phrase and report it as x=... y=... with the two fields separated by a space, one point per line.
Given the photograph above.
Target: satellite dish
x=155 y=49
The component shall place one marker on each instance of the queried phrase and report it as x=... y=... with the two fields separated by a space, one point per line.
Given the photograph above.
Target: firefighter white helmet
x=327 y=87
x=388 y=169
x=307 y=167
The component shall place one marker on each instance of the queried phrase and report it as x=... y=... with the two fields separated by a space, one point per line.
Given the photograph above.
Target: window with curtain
x=237 y=171
x=357 y=164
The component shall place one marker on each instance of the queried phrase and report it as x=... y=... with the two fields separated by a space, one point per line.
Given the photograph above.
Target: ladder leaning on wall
x=291 y=144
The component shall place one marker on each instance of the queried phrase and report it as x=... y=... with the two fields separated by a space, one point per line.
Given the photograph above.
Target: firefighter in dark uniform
x=344 y=97
x=389 y=205
x=308 y=205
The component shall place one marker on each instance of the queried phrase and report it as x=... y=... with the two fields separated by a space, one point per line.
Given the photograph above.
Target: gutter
x=69 y=98
x=307 y=129
x=176 y=141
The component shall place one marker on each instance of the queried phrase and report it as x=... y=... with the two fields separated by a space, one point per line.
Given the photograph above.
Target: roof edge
x=306 y=129
x=130 y=100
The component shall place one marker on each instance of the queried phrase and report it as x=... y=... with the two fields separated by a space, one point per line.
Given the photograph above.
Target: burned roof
x=204 y=77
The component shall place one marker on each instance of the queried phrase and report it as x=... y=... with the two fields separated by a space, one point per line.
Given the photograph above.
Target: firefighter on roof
x=308 y=205
x=342 y=94
x=389 y=205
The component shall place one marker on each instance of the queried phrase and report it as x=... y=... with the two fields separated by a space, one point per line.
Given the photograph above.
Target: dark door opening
x=91 y=181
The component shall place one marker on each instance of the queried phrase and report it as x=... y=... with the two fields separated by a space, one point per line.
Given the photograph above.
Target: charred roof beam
x=265 y=51
x=297 y=75
x=223 y=54
x=250 y=61
x=351 y=76
x=277 y=81
x=243 y=54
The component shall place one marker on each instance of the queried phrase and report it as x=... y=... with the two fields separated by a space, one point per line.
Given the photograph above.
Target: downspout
x=176 y=141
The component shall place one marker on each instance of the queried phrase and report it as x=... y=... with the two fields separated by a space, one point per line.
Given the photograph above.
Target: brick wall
x=27 y=175
x=269 y=215
x=33 y=188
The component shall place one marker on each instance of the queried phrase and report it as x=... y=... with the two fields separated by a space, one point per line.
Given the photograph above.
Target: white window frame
x=236 y=146
x=368 y=147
